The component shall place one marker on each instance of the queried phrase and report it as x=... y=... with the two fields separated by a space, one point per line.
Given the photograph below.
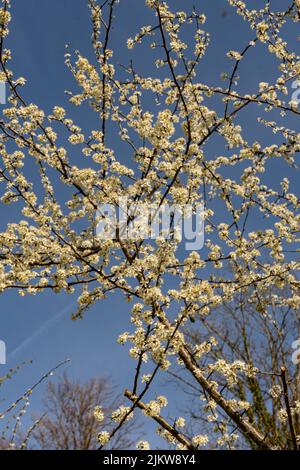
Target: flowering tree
x=163 y=125
x=12 y=437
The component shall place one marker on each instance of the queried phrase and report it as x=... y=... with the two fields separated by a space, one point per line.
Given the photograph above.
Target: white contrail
x=45 y=327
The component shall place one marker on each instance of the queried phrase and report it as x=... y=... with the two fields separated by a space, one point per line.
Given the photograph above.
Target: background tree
x=167 y=125
x=246 y=332
x=69 y=420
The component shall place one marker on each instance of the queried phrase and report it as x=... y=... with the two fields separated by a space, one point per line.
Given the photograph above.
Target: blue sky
x=39 y=327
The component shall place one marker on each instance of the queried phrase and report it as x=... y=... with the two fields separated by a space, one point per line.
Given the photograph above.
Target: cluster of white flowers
x=98 y=414
x=143 y=445
x=103 y=437
x=200 y=440
x=123 y=413
x=154 y=406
